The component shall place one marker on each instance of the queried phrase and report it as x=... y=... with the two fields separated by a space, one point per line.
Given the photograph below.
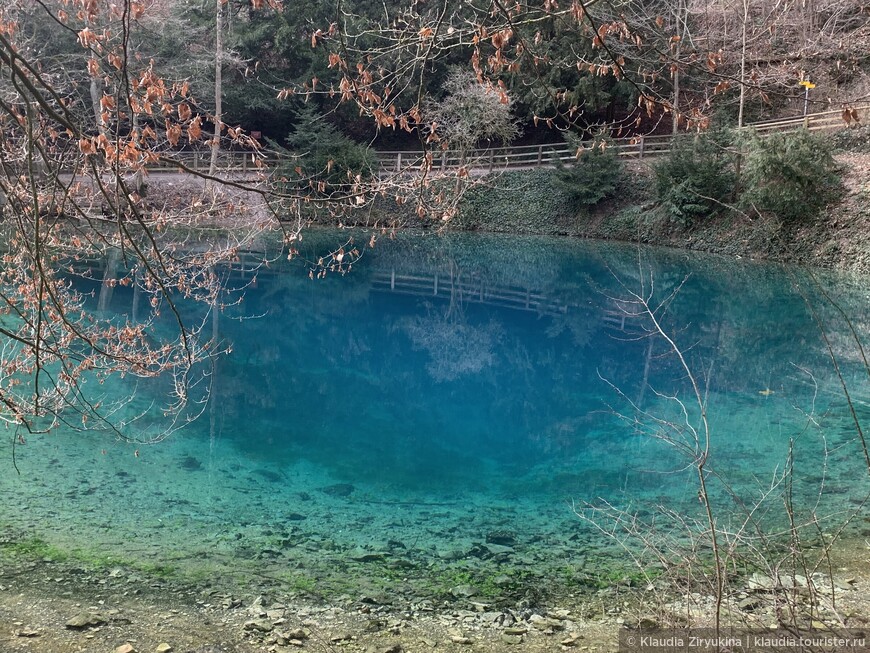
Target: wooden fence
x=519 y=156
x=228 y=161
x=821 y=121
x=515 y=157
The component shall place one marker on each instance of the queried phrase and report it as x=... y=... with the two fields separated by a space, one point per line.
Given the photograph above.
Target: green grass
x=35 y=547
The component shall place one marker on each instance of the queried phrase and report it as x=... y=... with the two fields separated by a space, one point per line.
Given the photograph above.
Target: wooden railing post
x=540 y=154
x=491 y=160
x=640 y=153
x=398 y=161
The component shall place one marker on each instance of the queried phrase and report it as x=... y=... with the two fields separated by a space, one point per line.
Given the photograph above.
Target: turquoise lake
x=438 y=415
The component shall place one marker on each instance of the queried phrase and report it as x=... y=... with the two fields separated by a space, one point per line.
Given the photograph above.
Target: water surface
x=400 y=425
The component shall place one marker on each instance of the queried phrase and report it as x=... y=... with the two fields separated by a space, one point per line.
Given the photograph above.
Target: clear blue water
x=375 y=429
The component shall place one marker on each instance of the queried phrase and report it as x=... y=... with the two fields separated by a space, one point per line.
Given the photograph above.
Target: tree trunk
x=107 y=289
x=675 y=111
x=139 y=184
x=96 y=96
x=682 y=32
x=218 y=86
x=743 y=39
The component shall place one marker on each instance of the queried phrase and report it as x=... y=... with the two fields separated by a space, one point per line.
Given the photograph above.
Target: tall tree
x=218 y=85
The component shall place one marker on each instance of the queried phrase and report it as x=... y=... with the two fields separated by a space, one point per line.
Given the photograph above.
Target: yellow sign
x=808 y=85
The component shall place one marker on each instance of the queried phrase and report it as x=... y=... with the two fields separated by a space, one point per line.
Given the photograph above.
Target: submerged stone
x=338 y=490
x=501 y=537
x=269 y=475
x=191 y=464
x=361 y=555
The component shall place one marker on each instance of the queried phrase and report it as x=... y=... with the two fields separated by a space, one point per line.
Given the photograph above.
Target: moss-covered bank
x=533 y=202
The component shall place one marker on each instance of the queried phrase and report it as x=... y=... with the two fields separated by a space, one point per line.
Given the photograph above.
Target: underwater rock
x=125 y=648
x=269 y=475
x=191 y=464
x=511 y=639
x=451 y=554
x=338 y=490
x=503 y=538
x=499 y=551
x=361 y=555
x=401 y=563
x=163 y=647
x=86 y=620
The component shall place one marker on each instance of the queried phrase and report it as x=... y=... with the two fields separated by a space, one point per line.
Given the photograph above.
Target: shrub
x=697 y=177
x=594 y=176
x=324 y=153
x=790 y=175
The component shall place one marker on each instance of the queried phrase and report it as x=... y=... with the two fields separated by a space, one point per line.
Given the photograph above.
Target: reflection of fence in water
x=475 y=290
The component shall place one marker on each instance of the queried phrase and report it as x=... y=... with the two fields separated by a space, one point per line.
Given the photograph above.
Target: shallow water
x=450 y=395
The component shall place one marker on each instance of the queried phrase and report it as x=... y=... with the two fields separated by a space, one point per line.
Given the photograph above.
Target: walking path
x=512 y=157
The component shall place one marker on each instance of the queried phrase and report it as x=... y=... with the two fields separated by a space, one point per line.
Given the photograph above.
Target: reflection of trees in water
x=455 y=347
x=582 y=325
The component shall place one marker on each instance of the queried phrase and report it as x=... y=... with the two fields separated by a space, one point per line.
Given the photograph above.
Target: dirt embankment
x=55 y=608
